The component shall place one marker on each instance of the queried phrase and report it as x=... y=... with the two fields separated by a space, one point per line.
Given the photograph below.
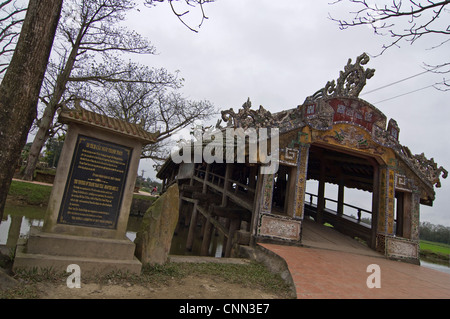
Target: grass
x=435 y=247
x=29 y=193
x=435 y=252
x=39 y=195
x=250 y=275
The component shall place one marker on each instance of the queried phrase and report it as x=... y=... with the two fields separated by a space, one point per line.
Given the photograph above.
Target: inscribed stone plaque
x=284 y=228
x=95 y=184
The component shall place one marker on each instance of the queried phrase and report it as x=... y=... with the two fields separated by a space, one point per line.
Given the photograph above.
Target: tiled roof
x=86 y=117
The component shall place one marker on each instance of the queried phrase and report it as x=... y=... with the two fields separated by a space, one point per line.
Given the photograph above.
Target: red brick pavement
x=327 y=274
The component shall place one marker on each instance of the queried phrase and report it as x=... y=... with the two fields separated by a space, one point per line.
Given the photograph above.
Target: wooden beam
x=231 y=212
x=213 y=221
x=248 y=204
x=210 y=198
x=190 y=188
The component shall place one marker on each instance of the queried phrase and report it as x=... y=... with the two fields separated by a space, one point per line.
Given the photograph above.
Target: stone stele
x=87 y=215
x=158 y=225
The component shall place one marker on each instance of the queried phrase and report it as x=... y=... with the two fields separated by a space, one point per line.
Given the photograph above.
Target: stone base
x=398 y=248
x=95 y=256
x=279 y=227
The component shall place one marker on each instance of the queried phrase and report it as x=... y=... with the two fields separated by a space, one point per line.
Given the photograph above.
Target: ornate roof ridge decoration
x=81 y=115
x=246 y=117
x=426 y=167
x=350 y=83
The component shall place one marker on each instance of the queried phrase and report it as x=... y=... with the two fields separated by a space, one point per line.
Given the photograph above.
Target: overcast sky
x=279 y=52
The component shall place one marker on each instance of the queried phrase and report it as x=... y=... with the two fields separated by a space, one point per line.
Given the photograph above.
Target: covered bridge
x=333 y=137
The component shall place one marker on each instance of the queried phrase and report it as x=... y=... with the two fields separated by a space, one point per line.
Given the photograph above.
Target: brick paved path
x=323 y=273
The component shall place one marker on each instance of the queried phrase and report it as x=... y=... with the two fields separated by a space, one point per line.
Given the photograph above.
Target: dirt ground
x=191 y=287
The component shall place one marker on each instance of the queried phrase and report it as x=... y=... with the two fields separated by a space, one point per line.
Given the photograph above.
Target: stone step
x=54 y=244
x=88 y=266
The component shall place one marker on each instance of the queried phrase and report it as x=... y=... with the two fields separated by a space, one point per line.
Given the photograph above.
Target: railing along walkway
x=349 y=225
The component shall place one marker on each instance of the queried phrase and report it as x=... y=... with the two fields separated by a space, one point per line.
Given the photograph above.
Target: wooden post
x=321 y=193
x=400 y=209
x=340 y=207
x=252 y=177
x=375 y=204
x=407 y=218
x=207 y=236
x=228 y=172
x=234 y=225
x=289 y=203
x=192 y=226
x=226 y=239
x=193 y=223
x=163 y=184
x=257 y=203
x=208 y=167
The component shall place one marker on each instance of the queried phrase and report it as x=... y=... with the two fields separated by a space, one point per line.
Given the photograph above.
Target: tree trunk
x=38 y=143
x=19 y=90
x=46 y=121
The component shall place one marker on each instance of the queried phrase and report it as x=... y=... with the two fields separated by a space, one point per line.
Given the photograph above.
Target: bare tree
x=148 y=97
x=88 y=28
x=19 y=89
x=404 y=21
x=11 y=19
x=182 y=10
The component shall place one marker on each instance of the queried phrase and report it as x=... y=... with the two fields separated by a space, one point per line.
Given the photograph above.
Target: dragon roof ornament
x=428 y=168
x=246 y=117
x=350 y=83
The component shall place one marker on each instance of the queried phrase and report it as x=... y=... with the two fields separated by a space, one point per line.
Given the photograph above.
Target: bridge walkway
x=331 y=265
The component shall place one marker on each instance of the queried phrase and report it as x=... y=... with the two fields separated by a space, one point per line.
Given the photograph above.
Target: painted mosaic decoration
x=300 y=190
x=267 y=193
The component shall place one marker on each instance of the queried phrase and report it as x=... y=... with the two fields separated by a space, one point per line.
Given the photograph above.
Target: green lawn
x=36 y=194
x=435 y=247
x=29 y=193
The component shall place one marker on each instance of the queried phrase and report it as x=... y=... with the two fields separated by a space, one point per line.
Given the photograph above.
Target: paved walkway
x=321 y=273
x=335 y=267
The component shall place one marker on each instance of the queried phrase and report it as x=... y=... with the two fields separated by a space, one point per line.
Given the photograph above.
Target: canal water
x=17 y=221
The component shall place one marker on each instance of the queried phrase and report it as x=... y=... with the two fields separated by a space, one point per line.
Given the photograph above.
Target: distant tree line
x=436 y=233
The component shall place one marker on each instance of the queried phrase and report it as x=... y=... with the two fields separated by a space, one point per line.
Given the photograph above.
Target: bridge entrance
x=341 y=172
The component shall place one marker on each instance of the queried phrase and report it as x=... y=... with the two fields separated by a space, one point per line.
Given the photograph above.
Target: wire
x=426 y=87
x=399 y=81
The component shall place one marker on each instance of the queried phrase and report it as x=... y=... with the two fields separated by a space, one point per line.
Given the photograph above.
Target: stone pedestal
x=89 y=206
x=95 y=256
